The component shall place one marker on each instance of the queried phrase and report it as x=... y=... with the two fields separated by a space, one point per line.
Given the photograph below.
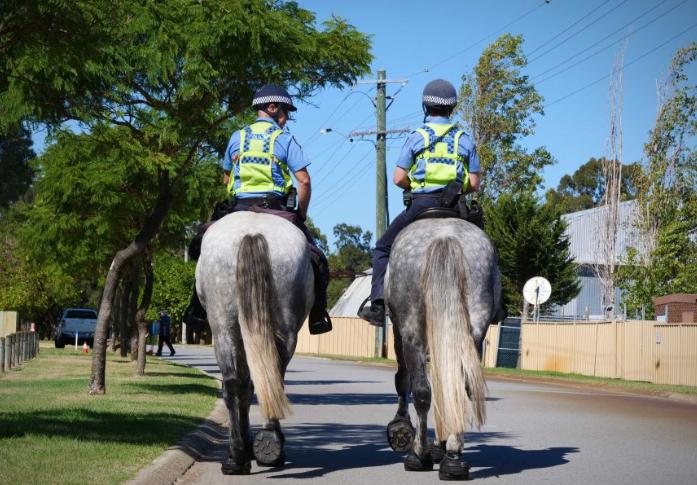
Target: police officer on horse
x=438 y=163
x=258 y=163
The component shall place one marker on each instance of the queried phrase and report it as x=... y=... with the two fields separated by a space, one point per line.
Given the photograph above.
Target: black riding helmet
x=272 y=93
x=439 y=93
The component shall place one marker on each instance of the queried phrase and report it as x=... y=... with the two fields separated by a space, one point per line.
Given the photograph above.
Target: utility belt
x=451 y=197
x=287 y=203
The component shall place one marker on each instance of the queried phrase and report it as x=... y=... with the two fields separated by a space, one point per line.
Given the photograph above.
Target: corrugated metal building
x=585 y=230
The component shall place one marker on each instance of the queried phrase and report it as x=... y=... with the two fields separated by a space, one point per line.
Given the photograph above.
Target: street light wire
x=633 y=61
x=587 y=48
x=603 y=49
x=559 y=44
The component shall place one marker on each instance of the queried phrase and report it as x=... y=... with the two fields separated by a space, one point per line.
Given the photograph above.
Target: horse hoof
x=230 y=467
x=453 y=467
x=268 y=448
x=400 y=434
x=437 y=451
x=415 y=464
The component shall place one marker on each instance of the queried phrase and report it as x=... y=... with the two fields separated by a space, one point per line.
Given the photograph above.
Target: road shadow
x=343 y=399
x=326 y=382
x=496 y=460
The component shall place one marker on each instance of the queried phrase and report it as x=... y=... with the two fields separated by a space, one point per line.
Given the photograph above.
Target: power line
x=553 y=38
x=324 y=177
x=603 y=49
x=554 y=47
x=358 y=166
x=633 y=61
x=585 y=49
x=460 y=52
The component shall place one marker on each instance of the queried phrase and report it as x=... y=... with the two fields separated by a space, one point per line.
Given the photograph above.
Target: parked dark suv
x=80 y=322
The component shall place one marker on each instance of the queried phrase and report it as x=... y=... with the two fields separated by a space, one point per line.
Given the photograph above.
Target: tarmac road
x=535 y=433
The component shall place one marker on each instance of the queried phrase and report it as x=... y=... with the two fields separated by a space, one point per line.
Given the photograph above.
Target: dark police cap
x=272 y=93
x=439 y=92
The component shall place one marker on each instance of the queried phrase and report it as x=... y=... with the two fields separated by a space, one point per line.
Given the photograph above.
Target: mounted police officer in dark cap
x=437 y=165
x=258 y=163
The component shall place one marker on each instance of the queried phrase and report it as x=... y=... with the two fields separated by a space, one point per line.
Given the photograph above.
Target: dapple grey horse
x=255 y=280
x=443 y=290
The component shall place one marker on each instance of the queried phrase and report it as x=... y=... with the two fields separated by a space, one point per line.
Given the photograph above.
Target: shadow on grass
x=157 y=388
x=175 y=374
x=102 y=426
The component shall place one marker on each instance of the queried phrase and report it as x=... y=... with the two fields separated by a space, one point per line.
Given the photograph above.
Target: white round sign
x=537 y=290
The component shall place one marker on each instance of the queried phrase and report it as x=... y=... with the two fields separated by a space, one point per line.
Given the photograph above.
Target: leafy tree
x=166 y=73
x=15 y=172
x=352 y=256
x=320 y=238
x=584 y=189
x=497 y=103
x=530 y=240
x=173 y=281
x=667 y=261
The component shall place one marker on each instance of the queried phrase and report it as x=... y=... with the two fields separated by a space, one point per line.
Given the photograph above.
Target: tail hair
x=255 y=298
x=457 y=383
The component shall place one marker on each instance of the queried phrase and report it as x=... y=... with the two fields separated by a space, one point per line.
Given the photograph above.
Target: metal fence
x=17 y=348
x=632 y=350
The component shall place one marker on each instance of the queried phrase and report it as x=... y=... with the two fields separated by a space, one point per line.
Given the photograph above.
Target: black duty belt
x=277 y=203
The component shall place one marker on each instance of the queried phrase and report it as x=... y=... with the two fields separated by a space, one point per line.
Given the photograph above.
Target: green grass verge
x=645 y=387
x=52 y=431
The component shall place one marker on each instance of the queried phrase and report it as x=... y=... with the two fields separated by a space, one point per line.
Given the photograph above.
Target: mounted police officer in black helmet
x=438 y=163
x=258 y=163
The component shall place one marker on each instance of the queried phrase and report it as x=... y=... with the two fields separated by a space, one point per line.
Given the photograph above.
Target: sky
x=571 y=47
x=569 y=44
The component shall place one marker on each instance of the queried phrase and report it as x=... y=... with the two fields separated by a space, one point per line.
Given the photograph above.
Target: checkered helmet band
x=439 y=101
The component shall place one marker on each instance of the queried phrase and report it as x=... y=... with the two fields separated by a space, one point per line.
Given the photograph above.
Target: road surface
x=535 y=433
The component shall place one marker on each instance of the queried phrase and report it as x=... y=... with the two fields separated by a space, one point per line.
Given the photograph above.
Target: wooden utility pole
x=382 y=216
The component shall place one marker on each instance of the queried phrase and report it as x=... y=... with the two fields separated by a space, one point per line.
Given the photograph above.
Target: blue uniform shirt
x=415 y=143
x=286 y=149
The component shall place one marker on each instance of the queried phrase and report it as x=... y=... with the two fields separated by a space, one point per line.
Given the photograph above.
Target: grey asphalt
x=535 y=433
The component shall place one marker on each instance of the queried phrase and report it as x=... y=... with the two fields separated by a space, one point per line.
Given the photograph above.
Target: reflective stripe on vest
x=440 y=162
x=256 y=161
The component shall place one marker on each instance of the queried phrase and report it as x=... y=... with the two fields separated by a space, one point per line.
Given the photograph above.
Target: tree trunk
x=115 y=318
x=125 y=310
x=147 y=233
x=140 y=315
x=132 y=309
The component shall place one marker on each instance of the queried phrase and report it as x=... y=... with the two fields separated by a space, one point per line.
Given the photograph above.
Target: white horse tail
x=457 y=384
x=255 y=298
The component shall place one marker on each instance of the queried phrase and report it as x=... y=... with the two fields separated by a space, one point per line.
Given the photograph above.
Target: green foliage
x=320 y=239
x=15 y=172
x=353 y=255
x=173 y=287
x=586 y=187
x=155 y=89
x=667 y=201
x=497 y=102
x=530 y=241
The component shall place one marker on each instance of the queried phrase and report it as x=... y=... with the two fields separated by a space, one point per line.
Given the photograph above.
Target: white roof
x=355 y=294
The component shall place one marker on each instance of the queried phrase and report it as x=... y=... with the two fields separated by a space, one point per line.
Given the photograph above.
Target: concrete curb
x=195 y=446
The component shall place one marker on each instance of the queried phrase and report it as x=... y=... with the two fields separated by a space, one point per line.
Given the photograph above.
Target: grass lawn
x=52 y=431
x=643 y=387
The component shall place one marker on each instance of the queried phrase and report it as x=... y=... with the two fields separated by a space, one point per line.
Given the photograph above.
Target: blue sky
x=448 y=36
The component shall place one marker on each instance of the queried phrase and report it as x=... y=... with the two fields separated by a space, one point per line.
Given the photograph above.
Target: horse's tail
x=255 y=297
x=457 y=384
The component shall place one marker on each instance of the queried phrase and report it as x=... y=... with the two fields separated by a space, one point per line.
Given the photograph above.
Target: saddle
x=438 y=213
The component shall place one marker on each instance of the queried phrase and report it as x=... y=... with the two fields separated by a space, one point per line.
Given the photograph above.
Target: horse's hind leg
x=415 y=352
x=269 y=441
x=237 y=393
x=400 y=431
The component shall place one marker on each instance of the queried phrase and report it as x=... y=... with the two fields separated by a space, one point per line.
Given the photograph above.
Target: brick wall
x=680 y=308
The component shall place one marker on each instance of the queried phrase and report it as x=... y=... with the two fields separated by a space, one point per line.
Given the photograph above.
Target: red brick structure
x=679 y=307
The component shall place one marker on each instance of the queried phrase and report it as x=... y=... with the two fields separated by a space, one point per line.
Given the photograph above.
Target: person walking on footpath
x=165 y=333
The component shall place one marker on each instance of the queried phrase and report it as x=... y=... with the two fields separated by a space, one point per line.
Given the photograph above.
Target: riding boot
x=374 y=314
x=319 y=321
